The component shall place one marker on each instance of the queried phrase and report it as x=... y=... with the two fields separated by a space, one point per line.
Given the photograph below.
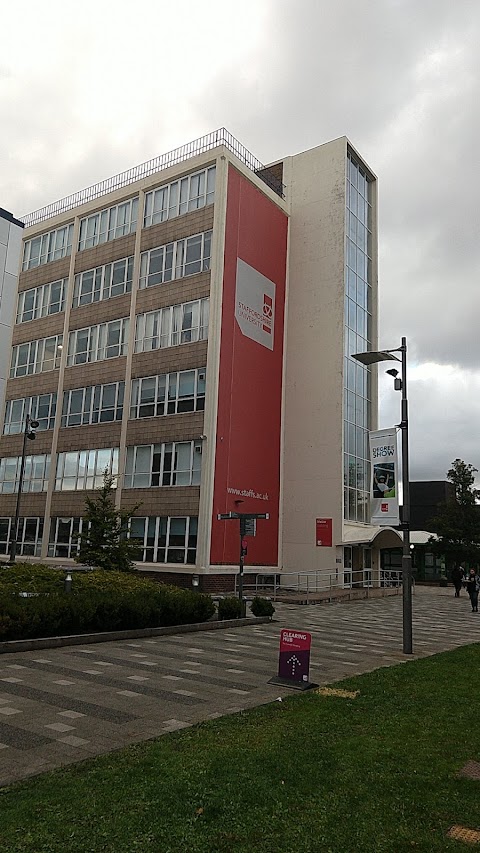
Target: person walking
x=457 y=579
x=473 y=586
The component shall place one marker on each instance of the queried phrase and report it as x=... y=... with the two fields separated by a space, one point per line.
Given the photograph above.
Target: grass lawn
x=312 y=773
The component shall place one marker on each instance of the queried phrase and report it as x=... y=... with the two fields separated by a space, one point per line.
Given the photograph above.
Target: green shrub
x=183 y=606
x=30 y=577
x=262 y=607
x=230 y=608
x=99 y=601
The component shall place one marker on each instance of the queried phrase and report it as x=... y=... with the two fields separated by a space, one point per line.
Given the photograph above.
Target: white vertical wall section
x=312 y=482
x=10 y=243
x=213 y=361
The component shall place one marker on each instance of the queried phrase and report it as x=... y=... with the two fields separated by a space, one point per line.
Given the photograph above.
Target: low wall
x=109 y=636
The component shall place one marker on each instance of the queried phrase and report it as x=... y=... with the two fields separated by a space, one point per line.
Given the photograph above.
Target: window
x=165 y=539
x=35 y=477
x=189 y=193
x=41 y=409
x=176 y=260
x=193 y=254
x=173 y=464
x=48 y=247
x=97 y=343
x=41 y=301
x=64 y=537
x=171 y=326
x=103 y=282
x=168 y=394
x=36 y=356
x=94 y=404
x=29 y=536
x=357 y=335
x=84 y=469
x=108 y=224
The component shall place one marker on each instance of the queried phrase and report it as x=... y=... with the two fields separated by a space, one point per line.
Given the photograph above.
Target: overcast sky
x=89 y=90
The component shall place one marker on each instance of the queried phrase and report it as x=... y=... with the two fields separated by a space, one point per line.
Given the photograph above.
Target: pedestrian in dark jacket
x=457 y=579
x=473 y=586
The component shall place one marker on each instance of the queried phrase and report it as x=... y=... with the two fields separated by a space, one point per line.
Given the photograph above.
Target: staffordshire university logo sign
x=255 y=305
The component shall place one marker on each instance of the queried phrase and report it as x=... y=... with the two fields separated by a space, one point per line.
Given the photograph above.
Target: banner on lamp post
x=384 y=478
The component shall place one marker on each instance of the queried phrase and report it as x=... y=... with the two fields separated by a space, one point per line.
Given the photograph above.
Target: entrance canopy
x=369 y=534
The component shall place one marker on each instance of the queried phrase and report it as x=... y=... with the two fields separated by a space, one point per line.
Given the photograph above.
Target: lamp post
x=244 y=518
x=29 y=432
x=369 y=358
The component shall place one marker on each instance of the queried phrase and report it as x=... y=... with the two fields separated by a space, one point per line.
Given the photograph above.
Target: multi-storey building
x=188 y=325
x=10 y=244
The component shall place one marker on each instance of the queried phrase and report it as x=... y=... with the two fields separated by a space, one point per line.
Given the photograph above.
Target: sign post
x=294 y=660
x=247 y=528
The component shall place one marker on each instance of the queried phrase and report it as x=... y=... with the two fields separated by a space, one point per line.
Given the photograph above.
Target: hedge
x=99 y=601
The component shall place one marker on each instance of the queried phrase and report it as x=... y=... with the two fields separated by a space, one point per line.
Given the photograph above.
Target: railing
x=279 y=584
x=391 y=577
x=171 y=158
x=282 y=583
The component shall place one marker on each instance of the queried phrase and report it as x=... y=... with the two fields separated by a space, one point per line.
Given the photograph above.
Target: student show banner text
x=384 y=479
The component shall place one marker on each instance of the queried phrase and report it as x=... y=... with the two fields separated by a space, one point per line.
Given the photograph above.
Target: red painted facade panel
x=247 y=467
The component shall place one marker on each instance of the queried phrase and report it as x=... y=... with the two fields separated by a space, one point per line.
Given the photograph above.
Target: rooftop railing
x=171 y=158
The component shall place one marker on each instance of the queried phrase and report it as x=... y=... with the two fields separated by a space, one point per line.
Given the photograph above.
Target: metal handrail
x=275 y=583
x=150 y=167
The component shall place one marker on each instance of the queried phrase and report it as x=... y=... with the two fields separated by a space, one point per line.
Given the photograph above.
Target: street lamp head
x=30 y=429
x=368 y=358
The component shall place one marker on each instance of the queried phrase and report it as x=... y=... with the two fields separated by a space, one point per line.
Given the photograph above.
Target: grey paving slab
x=76 y=702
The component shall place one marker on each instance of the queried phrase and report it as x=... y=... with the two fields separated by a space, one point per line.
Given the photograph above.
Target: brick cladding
x=32 y=504
x=11 y=445
x=105 y=253
x=174 y=501
x=217 y=583
x=67 y=504
x=170 y=578
x=166 y=500
x=174 y=292
x=96 y=373
x=26 y=386
x=100 y=312
x=182 y=427
x=44 y=274
x=84 y=437
x=37 y=329
x=207 y=583
x=183 y=357
x=175 y=229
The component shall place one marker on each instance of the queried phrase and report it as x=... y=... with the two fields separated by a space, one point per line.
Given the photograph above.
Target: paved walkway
x=63 y=705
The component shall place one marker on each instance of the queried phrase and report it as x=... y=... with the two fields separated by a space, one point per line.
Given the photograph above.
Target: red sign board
x=248 y=461
x=294 y=656
x=323 y=529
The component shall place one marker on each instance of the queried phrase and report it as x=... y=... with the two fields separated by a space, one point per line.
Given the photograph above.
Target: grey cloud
x=443 y=415
x=356 y=69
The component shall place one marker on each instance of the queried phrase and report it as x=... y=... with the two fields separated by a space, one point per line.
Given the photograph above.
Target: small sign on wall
x=323 y=532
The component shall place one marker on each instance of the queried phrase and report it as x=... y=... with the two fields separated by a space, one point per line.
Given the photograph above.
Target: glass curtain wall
x=358 y=338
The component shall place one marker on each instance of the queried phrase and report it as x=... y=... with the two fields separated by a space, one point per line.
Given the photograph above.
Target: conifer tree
x=104 y=543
